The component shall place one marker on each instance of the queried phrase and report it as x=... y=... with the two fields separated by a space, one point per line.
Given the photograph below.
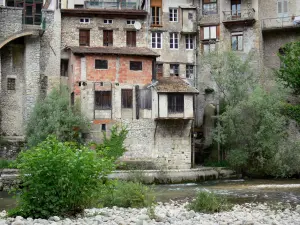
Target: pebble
x=174 y=213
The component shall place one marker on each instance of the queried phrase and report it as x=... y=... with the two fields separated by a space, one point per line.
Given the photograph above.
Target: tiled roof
x=114 y=51
x=174 y=84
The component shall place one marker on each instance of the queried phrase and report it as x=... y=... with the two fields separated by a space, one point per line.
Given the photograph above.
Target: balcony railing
x=239 y=15
x=102 y=4
x=280 y=23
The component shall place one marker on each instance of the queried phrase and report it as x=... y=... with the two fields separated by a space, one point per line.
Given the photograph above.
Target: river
x=238 y=191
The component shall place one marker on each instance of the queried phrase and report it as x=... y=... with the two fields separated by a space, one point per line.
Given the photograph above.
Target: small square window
x=11 y=84
x=108 y=21
x=173 y=15
x=101 y=64
x=103 y=127
x=85 y=20
x=130 y=22
x=189 y=71
x=136 y=65
x=174 y=69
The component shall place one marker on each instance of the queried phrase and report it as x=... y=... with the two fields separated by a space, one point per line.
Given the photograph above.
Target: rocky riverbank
x=173 y=213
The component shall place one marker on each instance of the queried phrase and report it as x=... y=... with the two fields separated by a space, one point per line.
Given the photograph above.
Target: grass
x=208 y=202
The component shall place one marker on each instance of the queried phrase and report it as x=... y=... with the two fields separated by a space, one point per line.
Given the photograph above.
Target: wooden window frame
x=108 y=21
x=81 y=37
x=84 y=20
x=189 y=41
x=100 y=61
x=159 y=70
x=103 y=101
x=131 y=38
x=236 y=13
x=156 y=40
x=145 y=99
x=175 y=68
x=156 y=18
x=236 y=36
x=175 y=103
x=173 y=14
x=108 y=37
x=174 y=40
x=127 y=98
x=136 y=65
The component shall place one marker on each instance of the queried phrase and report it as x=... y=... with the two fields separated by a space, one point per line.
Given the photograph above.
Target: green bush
x=59 y=178
x=207 y=202
x=5 y=163
x=54 y=116
x=128 y=194
x=210 y=163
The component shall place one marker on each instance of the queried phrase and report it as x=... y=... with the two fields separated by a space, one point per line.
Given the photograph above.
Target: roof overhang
x=126 y=13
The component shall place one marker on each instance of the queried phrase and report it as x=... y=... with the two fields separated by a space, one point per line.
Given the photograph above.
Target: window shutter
x=202 y=33
x=279 y=5
x=110 y=37
x=218 y=32
x=285 y=6
x=129 y=38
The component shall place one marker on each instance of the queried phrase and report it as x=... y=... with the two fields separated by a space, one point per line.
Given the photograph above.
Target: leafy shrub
x=113 y=145
x=210 y=163
x=292 y=111
x=208 y=202
x=5 y=163
x=59 y=178
x=54 y=116
x=128 y=194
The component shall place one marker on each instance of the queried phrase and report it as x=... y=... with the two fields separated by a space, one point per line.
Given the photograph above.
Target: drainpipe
x=153 y=70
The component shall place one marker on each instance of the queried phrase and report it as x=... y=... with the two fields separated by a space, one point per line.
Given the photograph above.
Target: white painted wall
x=188 y=106
x=163 y=105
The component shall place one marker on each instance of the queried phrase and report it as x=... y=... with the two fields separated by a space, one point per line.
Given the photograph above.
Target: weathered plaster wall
x=71 y=25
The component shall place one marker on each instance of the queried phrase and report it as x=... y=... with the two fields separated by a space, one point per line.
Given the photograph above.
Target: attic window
x=85 y=20
x=107 y=21
x=130 y=22
x=175 y=103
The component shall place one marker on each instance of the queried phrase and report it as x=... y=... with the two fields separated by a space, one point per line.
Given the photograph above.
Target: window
x=173 y=16
x=159 y=70
x=209 y=33
x=190 y=16
x=130 y=22
x=208 y=47
x=101 y=64
x=282 y=8
x=236 y=8
x=78 y=6
x=11 y=84
x=84 y=37
x=156 y=40
x=145 y=99
x=237 y=41
x=126 y=96
x=175 y=103
x=209 y=7
x=189 y=71
x=85 y=20
x=131 y=38
x=102 y=100
x=72 y=99
x=189 y=41
x=64 y=67
x=107 y=21
x=174 y=69
x=103 y=127
x=174 y=40
x=156 y=16
x=136 y=65
x=107 y=37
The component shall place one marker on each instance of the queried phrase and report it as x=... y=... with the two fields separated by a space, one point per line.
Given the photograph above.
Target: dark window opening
x=175 y=103
x=237 y=42
x=72 y=99
x=174 y=69
x=84 y=37
x=107 y=38
x=145 y=99
x=131 y=38
x=11 y=84
x=103 y=127
x=156 y=16
x=236 y=8
x=64 y=68
x=127 y=97
x=189 y=71
x=101 y=64
x=102 y=100
x=136 y=65
x=78 y=6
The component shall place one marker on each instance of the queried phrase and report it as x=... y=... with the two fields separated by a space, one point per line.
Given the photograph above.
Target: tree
x=252 y=129
x=289 y=72
x=54 y=115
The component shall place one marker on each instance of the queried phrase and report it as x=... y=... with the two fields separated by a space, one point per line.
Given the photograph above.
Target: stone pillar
x=32 y=73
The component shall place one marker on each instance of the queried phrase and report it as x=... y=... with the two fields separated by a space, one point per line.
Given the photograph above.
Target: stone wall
x=14 y=16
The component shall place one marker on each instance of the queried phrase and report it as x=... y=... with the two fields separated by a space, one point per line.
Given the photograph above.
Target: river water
x=238 y=191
